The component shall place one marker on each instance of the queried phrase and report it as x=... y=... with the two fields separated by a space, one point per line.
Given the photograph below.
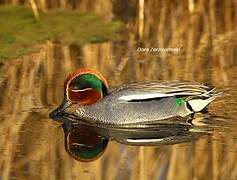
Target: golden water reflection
x=33 y=146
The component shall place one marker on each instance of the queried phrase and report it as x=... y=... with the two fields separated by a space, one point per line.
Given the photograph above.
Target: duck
x=87 y=99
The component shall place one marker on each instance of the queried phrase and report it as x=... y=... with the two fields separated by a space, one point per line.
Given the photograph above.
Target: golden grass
x=21 y=34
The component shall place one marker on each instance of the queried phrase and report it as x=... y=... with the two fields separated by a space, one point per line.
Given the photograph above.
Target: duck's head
x=83 y=87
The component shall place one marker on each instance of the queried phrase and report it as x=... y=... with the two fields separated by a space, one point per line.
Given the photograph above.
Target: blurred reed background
x=32 y=146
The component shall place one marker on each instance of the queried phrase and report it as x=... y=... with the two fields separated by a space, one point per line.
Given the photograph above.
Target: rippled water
x=32 y=145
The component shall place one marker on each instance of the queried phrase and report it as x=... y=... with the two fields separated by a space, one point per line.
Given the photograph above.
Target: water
x=32 y=145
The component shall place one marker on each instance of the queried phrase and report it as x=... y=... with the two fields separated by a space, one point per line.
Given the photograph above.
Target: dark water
x=32 y=145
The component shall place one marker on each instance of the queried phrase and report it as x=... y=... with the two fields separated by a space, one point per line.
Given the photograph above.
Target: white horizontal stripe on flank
x=144 y=140
x=144 y=96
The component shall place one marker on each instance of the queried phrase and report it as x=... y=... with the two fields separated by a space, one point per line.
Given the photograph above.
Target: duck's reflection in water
x=86 y=142
x=82 y=142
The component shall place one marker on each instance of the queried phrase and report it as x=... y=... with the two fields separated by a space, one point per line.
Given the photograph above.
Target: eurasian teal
x=87 y=99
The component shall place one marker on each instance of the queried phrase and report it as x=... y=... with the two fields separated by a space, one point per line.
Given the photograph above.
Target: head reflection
x=83 y=143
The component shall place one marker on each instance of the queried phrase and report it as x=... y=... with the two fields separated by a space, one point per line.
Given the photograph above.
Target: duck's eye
x=78 y=84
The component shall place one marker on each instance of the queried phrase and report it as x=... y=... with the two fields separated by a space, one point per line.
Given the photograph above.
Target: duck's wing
x=157 y=89
x=197 y=95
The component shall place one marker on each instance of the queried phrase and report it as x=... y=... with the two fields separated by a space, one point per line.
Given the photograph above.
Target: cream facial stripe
x=80 y=90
